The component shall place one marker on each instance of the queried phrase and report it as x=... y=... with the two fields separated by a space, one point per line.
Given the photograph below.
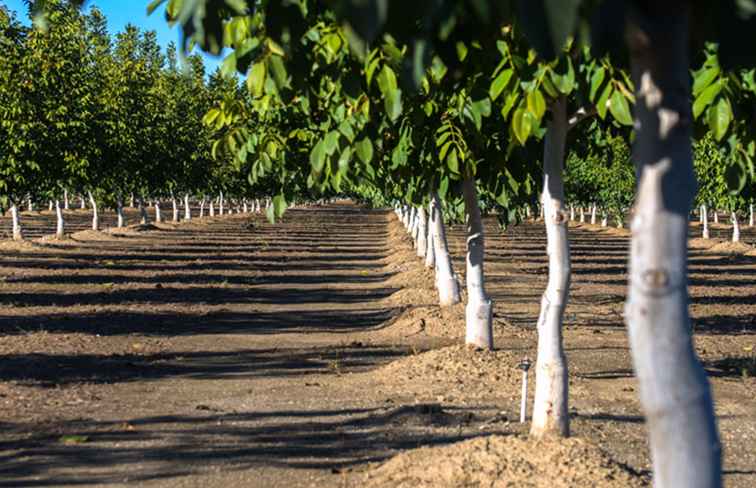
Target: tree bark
x=593 y=214
x=220 y=204
x=674 y=391
x=479 y=309
x=187 y=208
x=422 y=232
x=705 y=219
x=30 y=204
x=83 y=203
x=202 y=207
x=158 y=212
x=245 y=207
x=582 y=215
x=174 y=203
x=735 y=227
x=572 y=212
x=16 y=219
x=66 y=203
x=144 y=218
x=750 y=215
x=49 y=205
x=550 y=416
x=60 y=227
x=716 y=216
x=119 y=211
x=430 y=254
x=95 y=212
x=446 y=282
x=212 y=208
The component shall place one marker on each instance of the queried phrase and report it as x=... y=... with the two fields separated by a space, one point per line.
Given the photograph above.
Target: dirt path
x=230 y=352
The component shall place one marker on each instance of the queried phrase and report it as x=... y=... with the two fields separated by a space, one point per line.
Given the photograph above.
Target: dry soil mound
x=731 y=248
x=499 y=462
x=478 y=373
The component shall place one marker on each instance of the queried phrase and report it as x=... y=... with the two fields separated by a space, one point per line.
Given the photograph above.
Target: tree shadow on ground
x=141 y=449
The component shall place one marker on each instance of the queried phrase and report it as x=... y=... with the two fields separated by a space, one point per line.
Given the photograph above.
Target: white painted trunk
x=527 y=212
x=430 y=254
x=541 y=211
x=60 y=224
x=83 y=203
x=735 y=227
x=619 y=222
x=174 y=203
x=202 y=207
x=119 y=211
x=30 y=204
x=479 y=308
x=131 y=201
x=66 y=203
x=187 y=208
x=412 y=221
x=95 y=212
x=572 y=212
x=593 y=214
x=705 y=219
x=144 y=218
x=212 y=208
x=673 y=388
x=220 y=204
x=422 y=232
x=245 y=207
x=16 y=220
x=446 y=282
x=750 y=215
x=158 y=212
x=582 y=215
x=550 y=415
x=49 y=205
x=257 y=205
x=416 y=229
x=716 y=216
x=700 y=215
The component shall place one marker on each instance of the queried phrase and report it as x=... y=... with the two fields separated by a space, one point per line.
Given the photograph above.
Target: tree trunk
x=716 y=216
x=60 y=227
x=478 y=312
x=430 y=254
x=257 y=205
x=582 y=215
x=158 y=212
x=202 y=207
x=750 y=215
x=119 y=211
x=95 y=212
x=422 y=232
x=572 y=212
x=144 y=218
x=550 y=417
x=49 y=205
x=66 y=203
x=220 y=204
x=16 y=219
x=446 y=282
x=541 y=211
x=673 y=387
x=245 y=207
x=131 y=201
x=705 y=219
x=83 y=203
x=30 y=204
x=212 y=208
x=735 y=227
x=187 y=208
x=593 y=214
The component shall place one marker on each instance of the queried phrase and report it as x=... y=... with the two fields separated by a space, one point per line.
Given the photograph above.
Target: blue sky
x=120 y=13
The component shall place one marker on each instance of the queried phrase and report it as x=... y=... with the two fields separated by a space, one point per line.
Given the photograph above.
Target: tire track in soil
x=227 y=352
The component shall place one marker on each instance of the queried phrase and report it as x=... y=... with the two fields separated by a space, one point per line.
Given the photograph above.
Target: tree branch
x=579 y=115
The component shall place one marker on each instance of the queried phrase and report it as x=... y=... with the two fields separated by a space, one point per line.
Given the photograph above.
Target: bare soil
x=231 y=352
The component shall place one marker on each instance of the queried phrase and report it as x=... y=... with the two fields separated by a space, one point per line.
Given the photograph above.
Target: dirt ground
x=232 y=352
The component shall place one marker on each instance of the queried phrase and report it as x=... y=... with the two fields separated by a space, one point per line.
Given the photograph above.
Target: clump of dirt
x=430 y=319
x=731 y=248
x=16 y=245
x=477 y=372
x=505 y=461
x=92 y=235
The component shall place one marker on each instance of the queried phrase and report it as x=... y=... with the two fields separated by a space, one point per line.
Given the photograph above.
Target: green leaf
x=705 y=98
x=719 y=118
x=596 y=80
x=704 y=78
x=499 y=83
x=73 y=439
x=443 y=187
x=279 y=205
x=522 y=124
x=364 y=149
x=736 y=177
x=256 y=78
x=603 y=102
x=620 y=109
x=536 y=103
x=331 y=142
x=393 y=104
x=317 y=157
x=452 y=162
